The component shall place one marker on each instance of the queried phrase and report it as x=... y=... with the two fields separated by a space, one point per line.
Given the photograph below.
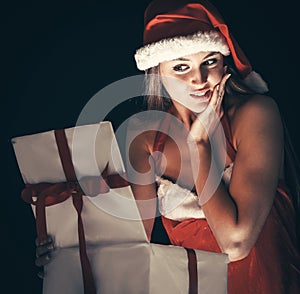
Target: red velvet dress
x=273 y=265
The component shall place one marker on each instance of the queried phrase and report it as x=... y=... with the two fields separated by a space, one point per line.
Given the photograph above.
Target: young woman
x=220 y=145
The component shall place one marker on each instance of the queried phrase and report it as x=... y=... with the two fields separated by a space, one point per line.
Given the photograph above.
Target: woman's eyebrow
x=211 y=54
x=181 y=59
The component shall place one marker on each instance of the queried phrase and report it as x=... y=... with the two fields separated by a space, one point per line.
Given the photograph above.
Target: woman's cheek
x=175 y=87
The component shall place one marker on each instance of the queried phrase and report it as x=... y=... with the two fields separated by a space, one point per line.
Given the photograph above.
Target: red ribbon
x=193 y=272
x=48 y=194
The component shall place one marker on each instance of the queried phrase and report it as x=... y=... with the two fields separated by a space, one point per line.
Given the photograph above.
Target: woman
x=212 y=92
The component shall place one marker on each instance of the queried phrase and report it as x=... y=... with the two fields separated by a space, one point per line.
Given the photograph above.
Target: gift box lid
x=92 y=146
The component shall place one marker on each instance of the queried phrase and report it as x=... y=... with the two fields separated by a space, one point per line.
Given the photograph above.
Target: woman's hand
x=207 y=121
x=43 y=254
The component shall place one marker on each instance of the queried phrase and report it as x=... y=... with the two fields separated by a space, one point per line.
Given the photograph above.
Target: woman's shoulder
x=247 y=112
x=242 y=104
x=245 y=107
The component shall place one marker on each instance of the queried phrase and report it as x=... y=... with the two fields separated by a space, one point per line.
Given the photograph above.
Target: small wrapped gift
x=110 y=214
x=76 y=183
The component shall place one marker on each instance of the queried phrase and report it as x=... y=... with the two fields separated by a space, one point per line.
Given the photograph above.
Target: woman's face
x=190 y=80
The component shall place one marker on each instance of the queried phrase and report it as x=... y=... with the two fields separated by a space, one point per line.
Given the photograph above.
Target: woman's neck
x=183 y=114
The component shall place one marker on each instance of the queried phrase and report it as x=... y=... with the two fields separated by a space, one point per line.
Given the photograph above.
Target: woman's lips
x=201 y=94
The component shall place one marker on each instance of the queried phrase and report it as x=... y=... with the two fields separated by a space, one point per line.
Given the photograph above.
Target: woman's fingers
x=219 y=91
x=43 y=260
x=43 y=251
x=222 y=86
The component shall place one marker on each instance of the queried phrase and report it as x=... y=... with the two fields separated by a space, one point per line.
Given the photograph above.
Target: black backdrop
x=58 y=54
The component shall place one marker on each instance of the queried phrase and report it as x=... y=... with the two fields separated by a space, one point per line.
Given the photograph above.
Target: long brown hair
x=156 y=96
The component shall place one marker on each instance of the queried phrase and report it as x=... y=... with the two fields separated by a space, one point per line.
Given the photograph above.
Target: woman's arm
x=237 y=216
x=142 y=178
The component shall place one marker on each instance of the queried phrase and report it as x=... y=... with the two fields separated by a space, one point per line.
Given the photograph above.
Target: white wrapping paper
x=122 y=259
x=136 y=268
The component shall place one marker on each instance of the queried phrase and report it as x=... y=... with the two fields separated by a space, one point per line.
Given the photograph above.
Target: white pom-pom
x=256 y=83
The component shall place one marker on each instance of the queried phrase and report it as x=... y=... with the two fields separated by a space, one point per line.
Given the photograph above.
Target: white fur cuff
x=177 y=203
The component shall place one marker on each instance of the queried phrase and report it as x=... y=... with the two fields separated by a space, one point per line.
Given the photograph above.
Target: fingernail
x=41 y=274
x=50 y=247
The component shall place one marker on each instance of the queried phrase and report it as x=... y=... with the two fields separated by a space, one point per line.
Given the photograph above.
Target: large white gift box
x=138 y=268
x=113 y=238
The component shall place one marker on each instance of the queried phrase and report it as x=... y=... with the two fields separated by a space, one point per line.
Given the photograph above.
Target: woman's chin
x=198 y=108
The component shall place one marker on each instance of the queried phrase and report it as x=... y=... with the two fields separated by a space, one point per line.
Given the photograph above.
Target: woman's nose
x=198 y=77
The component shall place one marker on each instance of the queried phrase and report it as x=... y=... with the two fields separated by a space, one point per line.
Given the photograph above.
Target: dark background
x=57 y=54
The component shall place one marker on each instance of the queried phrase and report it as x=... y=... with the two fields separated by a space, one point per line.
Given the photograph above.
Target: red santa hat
x=175 y=28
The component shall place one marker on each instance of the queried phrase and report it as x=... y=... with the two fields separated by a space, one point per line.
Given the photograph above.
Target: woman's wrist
x=198 y=143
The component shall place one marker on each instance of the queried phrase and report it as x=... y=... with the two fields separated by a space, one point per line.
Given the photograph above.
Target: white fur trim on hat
x=172 y=48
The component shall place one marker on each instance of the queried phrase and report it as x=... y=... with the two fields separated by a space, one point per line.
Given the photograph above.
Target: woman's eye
x=210 y=61
x=180 y=67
